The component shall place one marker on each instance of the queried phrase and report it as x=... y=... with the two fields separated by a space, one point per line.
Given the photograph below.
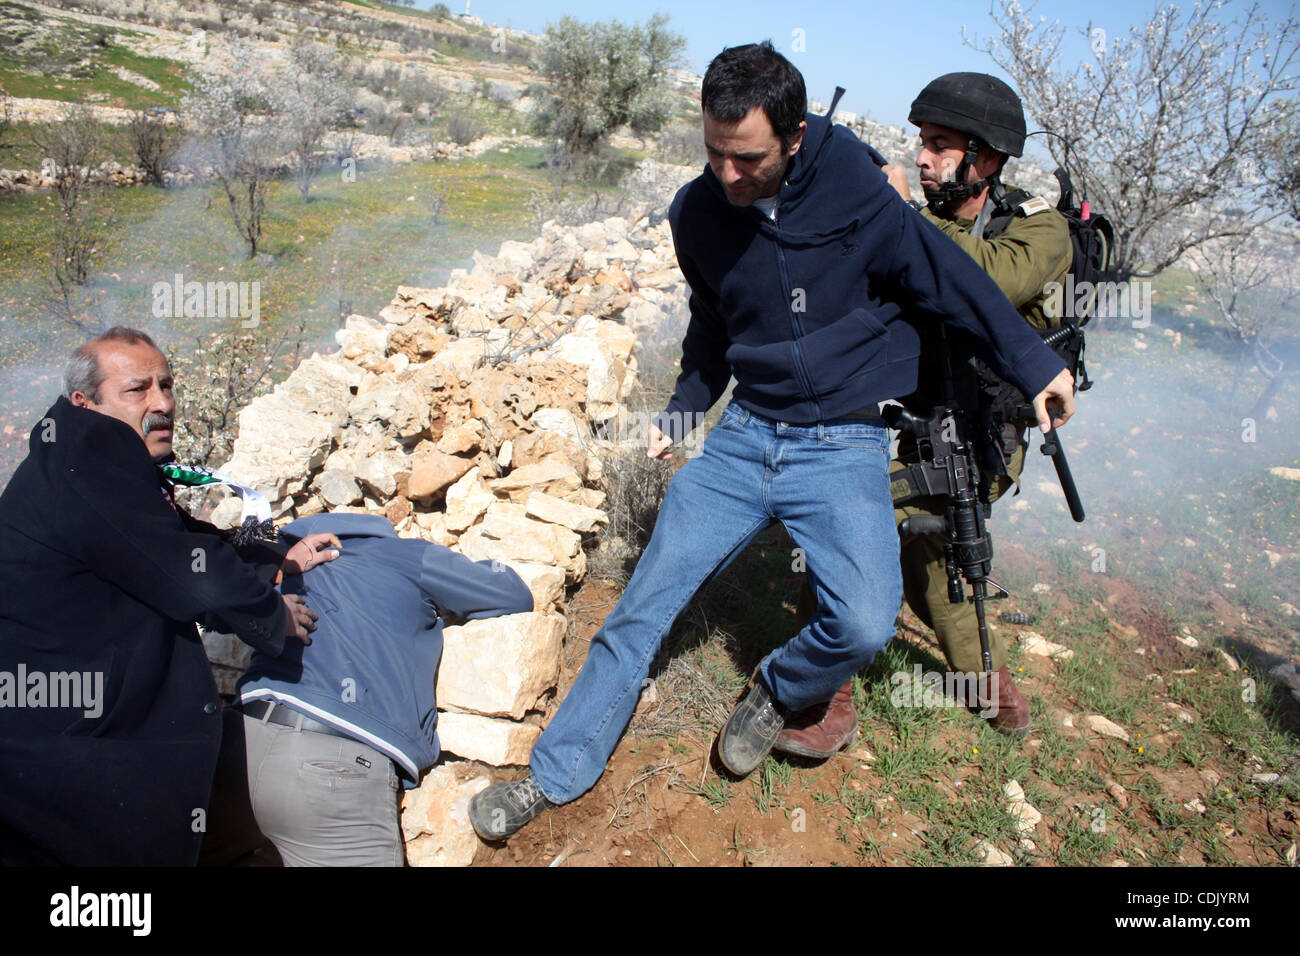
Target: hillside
x=483 y=341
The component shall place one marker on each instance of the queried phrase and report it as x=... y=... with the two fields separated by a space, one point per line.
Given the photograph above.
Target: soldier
x=969 y=124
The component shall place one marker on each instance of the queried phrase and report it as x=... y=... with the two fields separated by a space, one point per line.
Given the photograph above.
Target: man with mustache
x=103 y=575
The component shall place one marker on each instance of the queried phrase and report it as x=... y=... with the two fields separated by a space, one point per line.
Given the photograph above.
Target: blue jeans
x=828 y=484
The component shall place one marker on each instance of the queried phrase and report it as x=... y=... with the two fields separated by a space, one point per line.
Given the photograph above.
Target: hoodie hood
x=806 y=159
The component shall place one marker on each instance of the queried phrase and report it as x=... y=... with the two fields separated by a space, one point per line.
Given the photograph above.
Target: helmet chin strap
x=948 y=196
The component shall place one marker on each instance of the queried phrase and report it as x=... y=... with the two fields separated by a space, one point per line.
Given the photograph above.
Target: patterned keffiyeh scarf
x=255 y=521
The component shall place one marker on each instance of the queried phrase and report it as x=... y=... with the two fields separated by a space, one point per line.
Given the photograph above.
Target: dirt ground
x=665 y=801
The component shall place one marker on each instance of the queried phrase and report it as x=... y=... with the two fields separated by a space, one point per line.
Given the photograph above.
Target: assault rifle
x=948 y=467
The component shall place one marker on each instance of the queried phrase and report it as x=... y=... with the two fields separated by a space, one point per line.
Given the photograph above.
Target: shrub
x=463 y=129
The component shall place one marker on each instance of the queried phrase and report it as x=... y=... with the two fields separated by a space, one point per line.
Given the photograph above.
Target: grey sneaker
x=500 y=810
x=754 y=726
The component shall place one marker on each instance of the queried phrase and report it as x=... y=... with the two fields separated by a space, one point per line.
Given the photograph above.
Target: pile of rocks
x=108 y=173
x=474 y=416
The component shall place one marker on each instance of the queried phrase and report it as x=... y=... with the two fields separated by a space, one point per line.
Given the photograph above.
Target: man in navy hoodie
x=800 y=257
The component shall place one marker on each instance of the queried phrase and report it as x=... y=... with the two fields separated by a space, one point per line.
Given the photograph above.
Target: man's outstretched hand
x=299 y=619
x=309 y=552
x=1059 y=398
x=659 y=445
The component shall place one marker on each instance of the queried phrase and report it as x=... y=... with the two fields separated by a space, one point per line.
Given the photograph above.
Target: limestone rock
x=279 y=444
x=398 y=510
x=337 y=488
x=560 y=420
x=377 y=474
x=545 y=581
x=587 y=497
x=548 y=443
x=575 y=517
x=399 y=407
x=499 y=667
x=465 y=437
x=458 y=359
x=418 y=340
x=435 y=819
x=1036 y=644
x=1106 y=728
x=1026 y=815
x=433 y=527
x=363 y=340
x=501 y=743
x=229 y=657
x=322 y=385
x=227 y=513
x=586 y=346
x=989 y=855
x=550 y=475
x=467 y=499
x=433 y=471
x=502 y=537
x=310 y=505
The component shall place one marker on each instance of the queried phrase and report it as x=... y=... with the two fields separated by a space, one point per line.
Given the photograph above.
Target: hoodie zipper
x=796 y=328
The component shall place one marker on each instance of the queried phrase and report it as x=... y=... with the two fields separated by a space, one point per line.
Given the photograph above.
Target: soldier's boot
x=822 y=730
x=1011 y=714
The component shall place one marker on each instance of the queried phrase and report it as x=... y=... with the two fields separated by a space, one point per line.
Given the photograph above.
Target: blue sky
x=882 y=53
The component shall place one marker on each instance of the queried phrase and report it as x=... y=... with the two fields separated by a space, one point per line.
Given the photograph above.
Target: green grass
x=17 y=151
x=773 y=778
x=349 y=248
x=1093 y=678
x=71 y=65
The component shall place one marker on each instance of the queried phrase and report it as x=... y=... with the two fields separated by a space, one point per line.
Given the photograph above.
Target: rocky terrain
x=469 y=416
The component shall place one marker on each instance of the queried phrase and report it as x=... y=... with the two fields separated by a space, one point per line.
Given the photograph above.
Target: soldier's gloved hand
x=1059 y=397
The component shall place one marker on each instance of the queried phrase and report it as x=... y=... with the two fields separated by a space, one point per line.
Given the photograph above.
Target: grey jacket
x=372 y=664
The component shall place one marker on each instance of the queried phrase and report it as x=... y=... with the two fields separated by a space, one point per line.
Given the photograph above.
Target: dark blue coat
x=100 y=575
x=806 y=312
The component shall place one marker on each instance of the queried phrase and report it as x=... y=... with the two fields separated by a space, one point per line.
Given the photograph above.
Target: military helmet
x=976 y=104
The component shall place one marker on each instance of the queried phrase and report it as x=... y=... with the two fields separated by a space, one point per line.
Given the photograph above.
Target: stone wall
x=469 y=415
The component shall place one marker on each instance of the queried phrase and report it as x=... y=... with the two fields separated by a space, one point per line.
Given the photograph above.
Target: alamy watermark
x=77 y=690
x=634 y=429
x=917 y=688
x=1102 y=300
x=179 y=299
x=126 y=910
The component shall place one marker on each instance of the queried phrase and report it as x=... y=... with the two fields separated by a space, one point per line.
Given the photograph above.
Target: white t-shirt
x=768 y=206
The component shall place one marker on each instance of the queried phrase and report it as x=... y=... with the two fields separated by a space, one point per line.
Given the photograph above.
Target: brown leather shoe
x=1012 y=717
x=822 y=730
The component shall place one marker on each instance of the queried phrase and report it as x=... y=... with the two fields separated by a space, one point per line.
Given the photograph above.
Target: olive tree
x=601 y=76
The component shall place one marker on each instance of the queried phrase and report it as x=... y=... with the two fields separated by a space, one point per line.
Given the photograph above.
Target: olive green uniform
x=1033 y=251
